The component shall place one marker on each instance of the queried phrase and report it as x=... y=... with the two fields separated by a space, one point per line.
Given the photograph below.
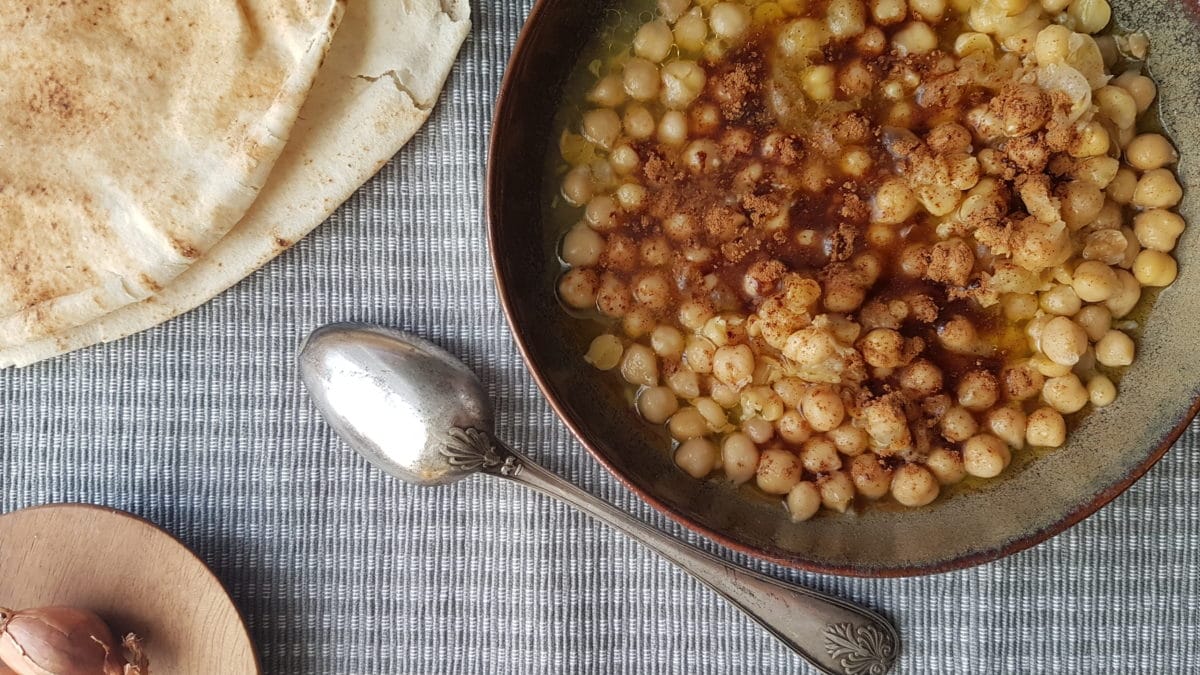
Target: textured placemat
x=200 y=425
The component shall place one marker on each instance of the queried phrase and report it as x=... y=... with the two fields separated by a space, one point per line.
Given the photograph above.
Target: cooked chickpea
x=846 y=18
x=946 y=465
x=638 y=122
x=1155 y=268
x=734 y=365
x=1065 y=394
x=601 y=213
x=1158 y=229
x=1141 y=88
x=667 y=342
x=624 y=160
x=1157 y=189
x=778 y=471
x=682 y=82
x=871 y=478
x=739 y=457
x=702 y=156
x=691 y=31
x=657 y=404
x=914 y=485
x=793 y=428
x=1101 y=391
x=608 y=91
x=1019 y=306
x=577 y=186
x=837 y=491
x=978 y=390
x=1121 y=188
x=985 y=456
x=1150 y=151
x=818 y=82
x=759 y=430
x=1095 y=321
x=640 y=366
x=820 y=455
x=1126 y=299
x=1081 y=203
x=653 y=41
x=1046 y=428
x=1090 y=16
x=922 y=378
x=604 y=353
x=673 y=128
x=958 y=425
x=578 y=288
x=916 y=37
x=1007 y=424
x=823 y=408
x=1115 y=349
x=1094 y=281
x=696 y=456
x=729 y=19
x=930 y=10
x=1063 y=341
x=958 y=335
x=887 y=12
x=803 y=501
x=631 y=196
x=849 y=439
x=803 y=38
x=687 y=423
x=582 y=246
x=1061 y=300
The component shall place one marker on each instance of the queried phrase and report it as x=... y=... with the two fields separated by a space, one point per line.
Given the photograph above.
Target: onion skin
x=57 y=641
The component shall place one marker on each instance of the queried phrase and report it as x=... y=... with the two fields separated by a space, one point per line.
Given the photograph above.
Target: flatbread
x=378 y=86
x=133 y=136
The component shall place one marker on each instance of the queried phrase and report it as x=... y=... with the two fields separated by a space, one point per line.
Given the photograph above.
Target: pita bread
x=378 y=86
x=135 y=135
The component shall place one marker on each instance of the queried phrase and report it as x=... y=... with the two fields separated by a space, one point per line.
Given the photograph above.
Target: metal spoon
x=419 y=414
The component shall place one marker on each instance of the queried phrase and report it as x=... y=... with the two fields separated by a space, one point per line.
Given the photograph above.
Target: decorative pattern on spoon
x=473 y=450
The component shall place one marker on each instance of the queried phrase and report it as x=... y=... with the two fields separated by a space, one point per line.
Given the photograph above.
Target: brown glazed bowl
x=1109 y=451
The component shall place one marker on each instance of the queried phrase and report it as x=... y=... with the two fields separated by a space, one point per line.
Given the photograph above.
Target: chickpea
x=1126 y=299
x=946 y=465
x=855 y=161
x=673 y=128
x=641 y=79
x=637 y=322
x=1092 y=141
x=914 y=485
x=699 y=353
x=1115 y=349
x=846 y=18
x=1007 y=424
x=872 y=42
x=739 y=457
x=682 y=82
x=803 y=38
x=657 y=404
x=887 y=12
x=978 y=390
x=608 y=92
x=1101 y=391
x=1157 y=189
x=778 y=471
x=759 y=430
x=1117 y=105
x=696 y=456
x=582 y=247
x=578 y=288
x=823 y=408
x=687 y=423
x=734 y=365
x=638 y=122
x=640 y=366
x=916 y=37
x=1150 y=151
x=577 y=186
x=1090 y=16
x=631 y=196
x=1046 y=428
x=1120 y=190
x=972 y=43
x=729 y=20
x=604 y=353
x=653 y=41
x=1157 y=229
x=849 y=439
x=1093 y=281
x=1063 y=341
x=1061 y=300
x=691 y=31
x=793 y=428
x=837 y=491
x=1019 y=306
x=702 y=156
x=819 y=455
x=1081 y=203
x=601 y=213
x=1141 y=88
x=803 y=501
x=1095 y=321
x=985 y=456
x=671 y=10
x=818 y=82
x=871 y=478
x=1065 y=394
x=922 y=378
x=958 y=335
x=958 y=425
x=930 y=10
x=1155 y=268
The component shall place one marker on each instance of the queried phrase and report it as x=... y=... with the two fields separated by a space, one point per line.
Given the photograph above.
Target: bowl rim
x=508 y=302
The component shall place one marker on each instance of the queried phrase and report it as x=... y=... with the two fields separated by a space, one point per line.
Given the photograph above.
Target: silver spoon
x=419 y=414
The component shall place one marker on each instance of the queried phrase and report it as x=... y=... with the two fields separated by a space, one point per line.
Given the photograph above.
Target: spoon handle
x=836 y=636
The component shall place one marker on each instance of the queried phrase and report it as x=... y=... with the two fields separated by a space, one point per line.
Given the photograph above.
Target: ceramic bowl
x=1109 y=451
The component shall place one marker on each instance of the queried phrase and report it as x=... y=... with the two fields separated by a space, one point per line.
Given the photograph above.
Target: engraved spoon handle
x=835 y=636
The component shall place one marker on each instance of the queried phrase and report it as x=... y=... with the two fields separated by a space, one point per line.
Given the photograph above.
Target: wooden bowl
x=134 y=575
x=1109 y=450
